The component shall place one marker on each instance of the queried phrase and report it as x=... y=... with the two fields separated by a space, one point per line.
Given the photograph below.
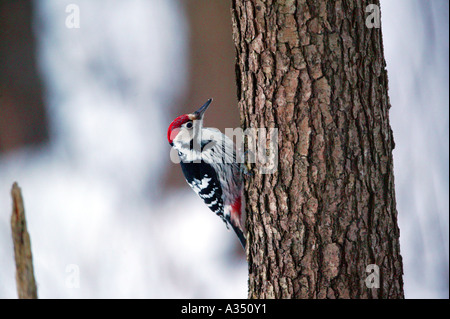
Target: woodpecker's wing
x=203 y=180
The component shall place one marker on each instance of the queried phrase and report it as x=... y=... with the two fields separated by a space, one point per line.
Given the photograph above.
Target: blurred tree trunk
x=23 y=118
x=326 y=221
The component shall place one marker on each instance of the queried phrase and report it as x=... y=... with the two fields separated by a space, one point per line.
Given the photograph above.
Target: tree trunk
x=324 y=225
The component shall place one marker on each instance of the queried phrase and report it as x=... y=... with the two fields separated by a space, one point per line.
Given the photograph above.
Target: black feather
x=212 y=192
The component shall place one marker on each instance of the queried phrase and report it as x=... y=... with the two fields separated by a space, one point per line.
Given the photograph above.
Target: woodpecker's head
x=183 y=129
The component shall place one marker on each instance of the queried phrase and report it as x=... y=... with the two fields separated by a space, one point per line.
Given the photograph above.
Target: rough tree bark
x=315 y=71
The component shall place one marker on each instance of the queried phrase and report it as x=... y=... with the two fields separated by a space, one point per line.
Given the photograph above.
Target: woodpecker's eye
x=189 y=124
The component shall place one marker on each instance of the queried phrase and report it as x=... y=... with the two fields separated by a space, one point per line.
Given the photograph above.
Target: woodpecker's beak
x=197 y=115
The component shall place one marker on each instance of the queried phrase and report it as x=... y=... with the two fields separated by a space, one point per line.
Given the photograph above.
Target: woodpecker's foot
x=245 y=170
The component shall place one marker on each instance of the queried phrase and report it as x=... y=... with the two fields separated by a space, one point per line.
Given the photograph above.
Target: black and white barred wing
x=203 y=180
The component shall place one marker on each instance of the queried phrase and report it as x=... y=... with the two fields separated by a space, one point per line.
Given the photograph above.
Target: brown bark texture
x=316 y=72
x=26 y=284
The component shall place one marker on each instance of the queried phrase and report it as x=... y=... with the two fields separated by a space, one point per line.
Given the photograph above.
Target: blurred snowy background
x=83 y=120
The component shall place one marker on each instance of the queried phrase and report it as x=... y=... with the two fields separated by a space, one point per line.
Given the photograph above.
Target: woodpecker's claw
x=244 y=168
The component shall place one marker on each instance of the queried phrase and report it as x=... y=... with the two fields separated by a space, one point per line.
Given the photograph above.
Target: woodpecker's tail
x=240 y=235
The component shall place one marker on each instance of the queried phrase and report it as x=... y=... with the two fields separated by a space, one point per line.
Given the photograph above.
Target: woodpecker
x=208 y=162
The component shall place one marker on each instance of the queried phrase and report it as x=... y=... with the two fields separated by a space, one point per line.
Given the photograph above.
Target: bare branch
x=26 y=284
